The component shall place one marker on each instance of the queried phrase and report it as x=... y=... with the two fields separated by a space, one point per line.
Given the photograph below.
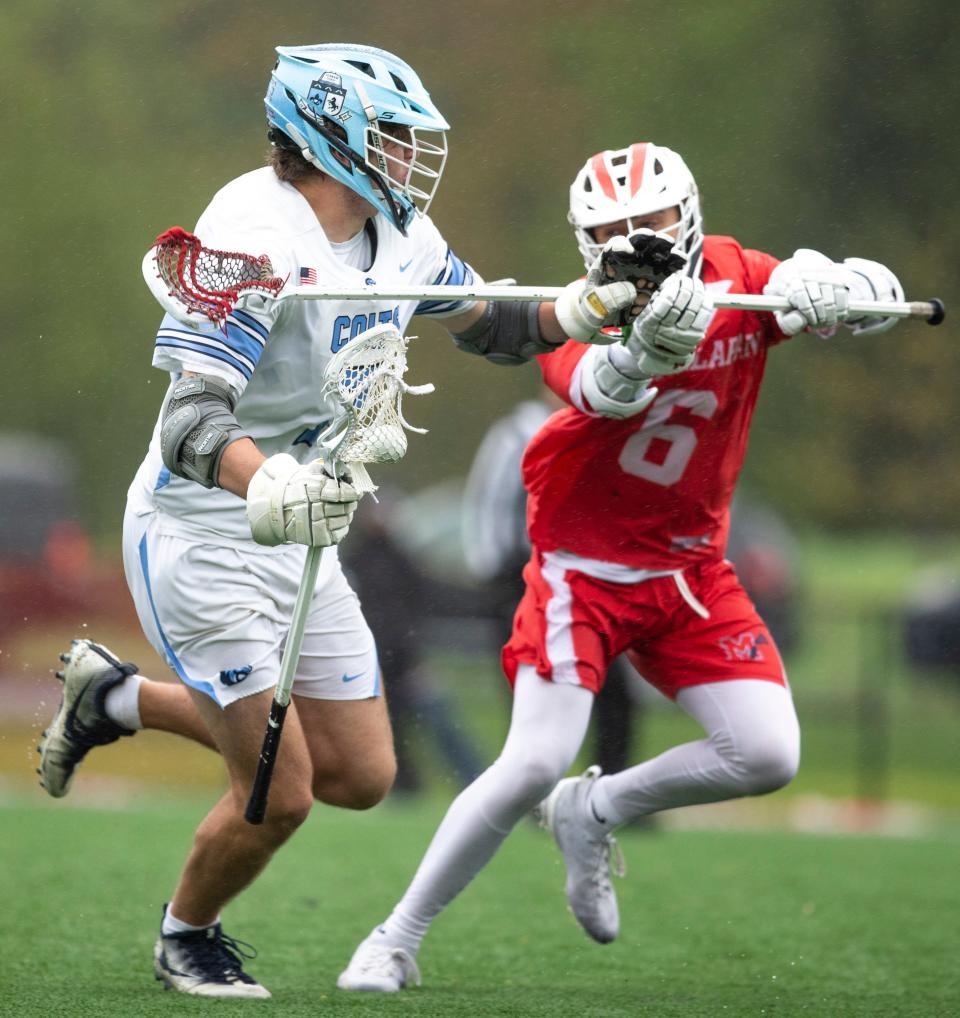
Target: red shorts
x=570 y=626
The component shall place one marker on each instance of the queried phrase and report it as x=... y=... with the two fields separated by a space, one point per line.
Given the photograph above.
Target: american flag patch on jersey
x=308 y=275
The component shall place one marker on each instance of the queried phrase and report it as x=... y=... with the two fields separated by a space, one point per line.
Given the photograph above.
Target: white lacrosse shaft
x=740 y=301
x=365 y=381
x=171 y=297
x=257 y=804
x=298 y=622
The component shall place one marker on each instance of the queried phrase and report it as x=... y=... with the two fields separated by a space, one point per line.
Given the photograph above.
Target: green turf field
x=714 y=924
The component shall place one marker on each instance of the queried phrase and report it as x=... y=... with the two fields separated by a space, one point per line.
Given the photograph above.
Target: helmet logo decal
x=327 y=93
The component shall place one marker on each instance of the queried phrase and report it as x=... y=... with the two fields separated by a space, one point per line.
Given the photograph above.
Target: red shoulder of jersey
x=730 y=268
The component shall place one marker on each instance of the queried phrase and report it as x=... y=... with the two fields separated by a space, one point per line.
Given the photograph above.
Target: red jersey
x=653 y=491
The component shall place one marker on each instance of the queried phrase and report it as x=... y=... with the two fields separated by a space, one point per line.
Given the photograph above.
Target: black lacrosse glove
x=651 y=260
x=645 y=259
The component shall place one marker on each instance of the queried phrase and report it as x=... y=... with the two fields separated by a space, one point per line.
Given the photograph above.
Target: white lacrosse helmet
x=627 y=183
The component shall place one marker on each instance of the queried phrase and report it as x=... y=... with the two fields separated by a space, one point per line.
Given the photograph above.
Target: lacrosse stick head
x=629 y=183
x=364 y=380
x=197 y=284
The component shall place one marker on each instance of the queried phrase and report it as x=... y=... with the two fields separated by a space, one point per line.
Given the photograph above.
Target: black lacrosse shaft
x=257 y=805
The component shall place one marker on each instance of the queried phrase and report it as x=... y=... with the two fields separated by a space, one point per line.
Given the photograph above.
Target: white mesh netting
x=366 y=379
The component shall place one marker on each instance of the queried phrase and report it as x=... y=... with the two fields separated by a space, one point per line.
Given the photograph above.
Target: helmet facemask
x=416 y=171
x=630 y=184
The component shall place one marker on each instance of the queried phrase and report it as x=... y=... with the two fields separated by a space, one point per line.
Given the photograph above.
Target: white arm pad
x=611 y=384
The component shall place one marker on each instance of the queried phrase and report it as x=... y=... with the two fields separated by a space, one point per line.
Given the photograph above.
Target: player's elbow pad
x=506 y=333
x=196 y=426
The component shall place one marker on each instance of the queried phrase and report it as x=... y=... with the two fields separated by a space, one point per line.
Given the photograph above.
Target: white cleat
x=206 y=963
x=379 y=968
x=589 y=859
x=81 y=720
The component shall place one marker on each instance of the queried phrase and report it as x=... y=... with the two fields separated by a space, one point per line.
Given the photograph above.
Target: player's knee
x=360 y=787
x=287 y=809
x=371 y=789
x=535 y=775
x=768 y=764
x=286 y=816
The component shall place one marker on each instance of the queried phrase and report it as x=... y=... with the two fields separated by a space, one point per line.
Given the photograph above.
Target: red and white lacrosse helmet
x=628 y=183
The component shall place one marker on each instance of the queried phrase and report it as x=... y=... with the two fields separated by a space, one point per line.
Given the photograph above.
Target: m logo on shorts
x=743 y=647
x=233 y=676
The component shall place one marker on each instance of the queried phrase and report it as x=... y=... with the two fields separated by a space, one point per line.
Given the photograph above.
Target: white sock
x=753 y=746
x=171 y=924
x=547 y=728
x=602 y=815
x=122 y=703
x=464 y=843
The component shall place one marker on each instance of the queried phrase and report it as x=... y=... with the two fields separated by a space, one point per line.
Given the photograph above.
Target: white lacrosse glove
x=818 y=291
x=612 y=383
x=292 y=503
x=665 y=337
x=590 y=304
x=870 y=281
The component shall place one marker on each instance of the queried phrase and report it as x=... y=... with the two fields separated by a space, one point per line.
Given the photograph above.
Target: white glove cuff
x=609 y=392
x=583 y=308
x=622 y=357
x=569 y=315
x=870 y=281
x=265 y=493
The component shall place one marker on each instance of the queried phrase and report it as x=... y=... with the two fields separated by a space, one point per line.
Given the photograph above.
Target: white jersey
x=275 y=355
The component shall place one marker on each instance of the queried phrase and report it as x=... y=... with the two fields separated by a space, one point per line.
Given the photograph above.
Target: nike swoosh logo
x=350 y=678
x=403 y=268
x=70 y=721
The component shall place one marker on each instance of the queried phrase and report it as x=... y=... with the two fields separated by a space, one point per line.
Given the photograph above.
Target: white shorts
x=219 y=617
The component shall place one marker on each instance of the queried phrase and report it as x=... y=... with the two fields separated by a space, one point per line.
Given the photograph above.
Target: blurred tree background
x=806 y=124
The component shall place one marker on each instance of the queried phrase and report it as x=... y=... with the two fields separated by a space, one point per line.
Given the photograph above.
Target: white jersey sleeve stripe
x=197 y=341
x=244 y=318
x=239 y=343
x=241 y=328
x=239 y=339
x=209 y=348
x=455 y=272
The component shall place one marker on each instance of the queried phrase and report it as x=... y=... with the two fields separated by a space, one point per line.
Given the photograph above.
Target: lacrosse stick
x=365 y=381
x=196 y=284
